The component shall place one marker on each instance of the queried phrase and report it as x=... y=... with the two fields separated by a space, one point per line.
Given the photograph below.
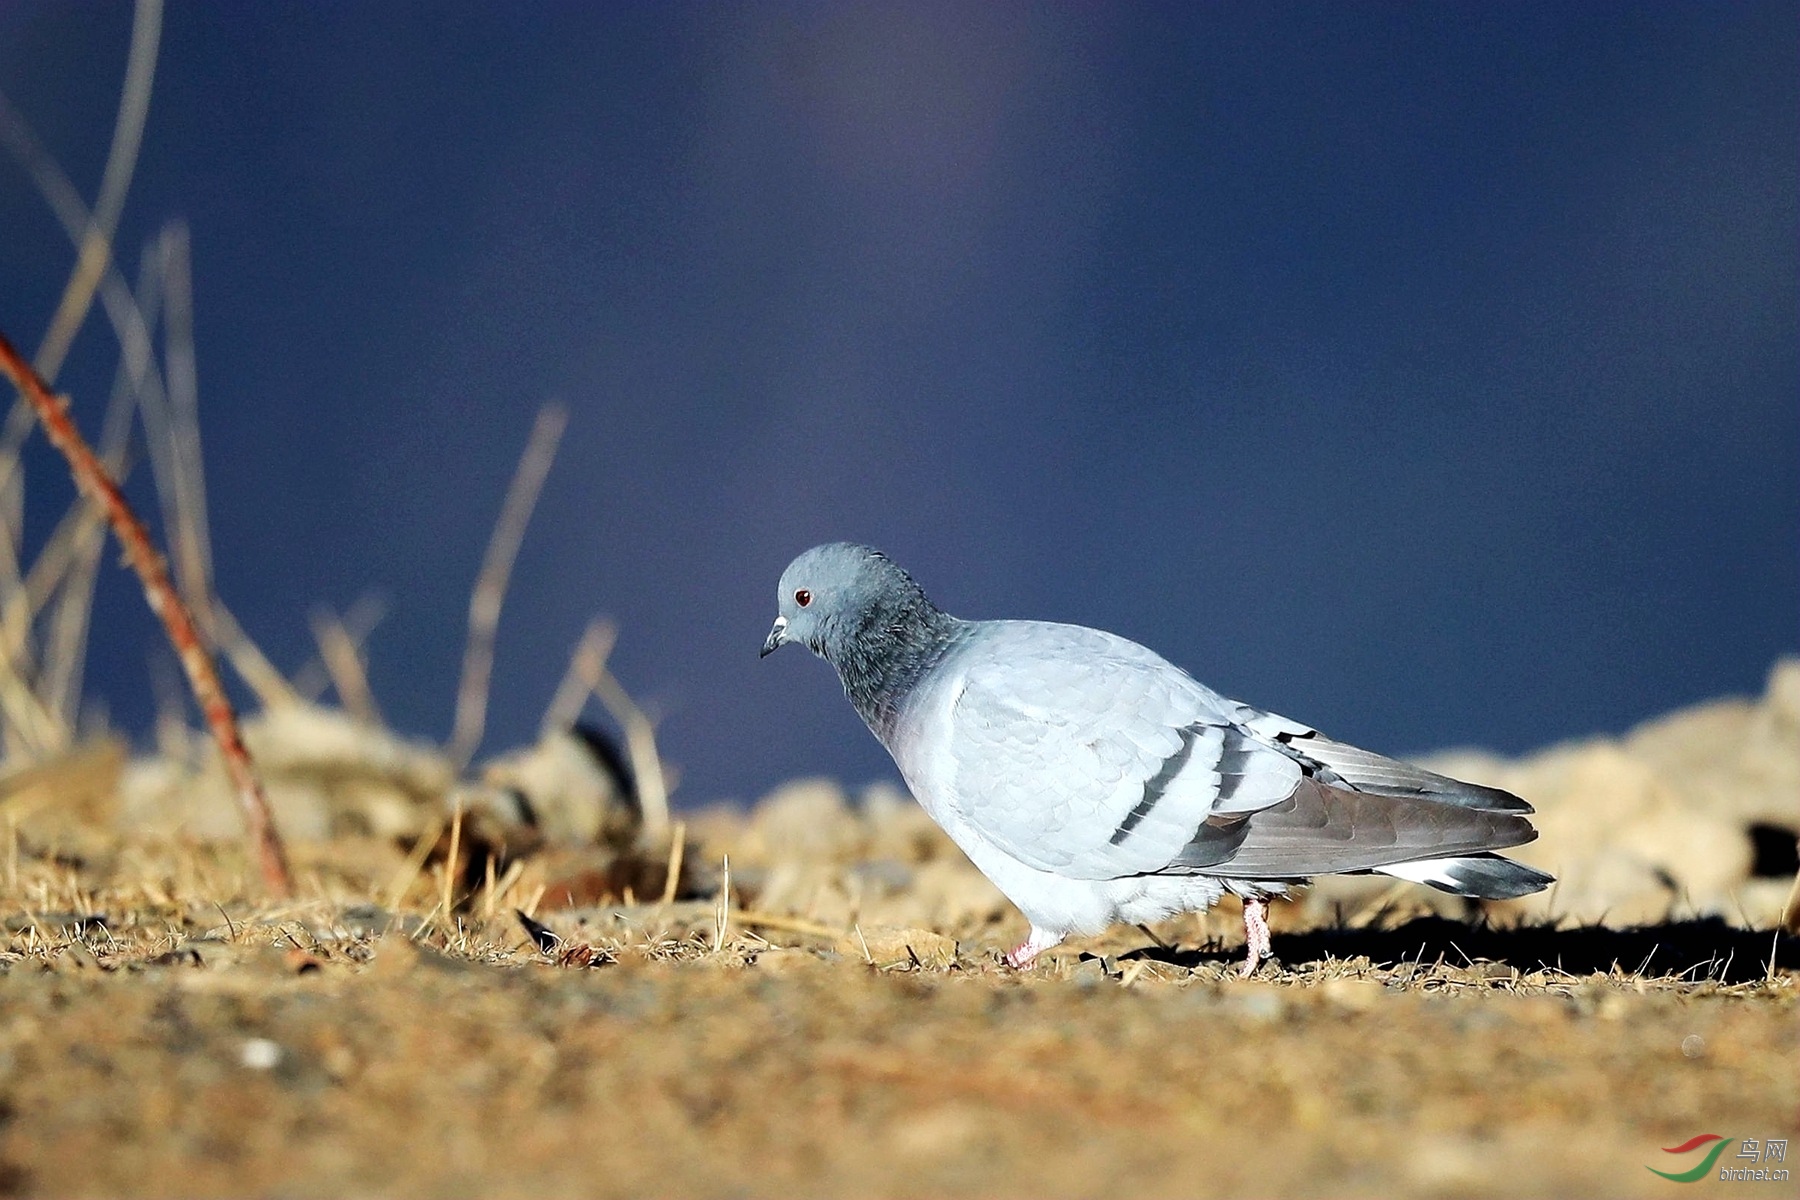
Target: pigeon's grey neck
x=883 y=651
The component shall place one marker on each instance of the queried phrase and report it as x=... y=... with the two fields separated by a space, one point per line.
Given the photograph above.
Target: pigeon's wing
x=1321 y=830
x=1355 y=810
x=1089 y=756
x=1339 y=763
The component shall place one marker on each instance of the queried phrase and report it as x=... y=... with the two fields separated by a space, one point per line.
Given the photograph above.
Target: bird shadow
x=1698 y=949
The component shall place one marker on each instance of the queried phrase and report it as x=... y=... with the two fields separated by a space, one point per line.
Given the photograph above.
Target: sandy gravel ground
x=162 y=1035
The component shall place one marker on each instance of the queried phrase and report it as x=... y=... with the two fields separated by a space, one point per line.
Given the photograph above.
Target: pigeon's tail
x=1479 y=876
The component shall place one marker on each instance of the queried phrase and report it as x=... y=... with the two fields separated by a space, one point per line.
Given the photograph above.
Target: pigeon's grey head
x=834 y=593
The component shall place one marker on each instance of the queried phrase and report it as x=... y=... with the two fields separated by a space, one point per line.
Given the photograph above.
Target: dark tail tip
x=1490 y=877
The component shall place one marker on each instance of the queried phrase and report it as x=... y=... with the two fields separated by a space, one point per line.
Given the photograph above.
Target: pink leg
x=1256 y=935
x=1025 y=953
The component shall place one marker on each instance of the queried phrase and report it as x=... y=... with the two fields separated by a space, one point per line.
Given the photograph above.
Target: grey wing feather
x=1321 y=829
x=1355 y=810
x=1369 y=772
x=1341 y=763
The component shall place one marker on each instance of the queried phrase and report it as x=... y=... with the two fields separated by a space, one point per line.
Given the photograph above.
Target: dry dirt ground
x=162 y=1033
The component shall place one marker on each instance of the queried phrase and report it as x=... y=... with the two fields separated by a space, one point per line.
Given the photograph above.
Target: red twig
x=92 y=479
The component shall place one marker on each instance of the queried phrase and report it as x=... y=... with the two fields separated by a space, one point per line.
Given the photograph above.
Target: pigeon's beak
x=776 y=639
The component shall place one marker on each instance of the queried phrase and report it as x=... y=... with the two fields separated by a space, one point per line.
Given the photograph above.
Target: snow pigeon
x=1095 y=782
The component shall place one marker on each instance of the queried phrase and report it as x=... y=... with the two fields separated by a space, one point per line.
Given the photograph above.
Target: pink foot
x=1025 y=953
x=1256 y=936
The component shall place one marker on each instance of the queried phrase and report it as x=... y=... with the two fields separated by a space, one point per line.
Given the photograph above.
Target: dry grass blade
x=585 y=666
x=312 y=680
x=490 y=585
x=191 y=543
x=13 y=631
x=65 y=648
x=174 y=493
x=587 y=673
x=64 y=572
x=677 y=847
x=449 y=901
x=171 y=725
x=132 y=329
x=58 y=690
x=92 y=233
x=497 y=889
x=121 y=162
x=415 y=863
x=640 y=745
x=28 y=722
x=131 y=321
x=271 y=688
x=68 y=547
x=722 y=914
x=349 y=674
x=1790 y=911
x=760 y=920
x=92 y=479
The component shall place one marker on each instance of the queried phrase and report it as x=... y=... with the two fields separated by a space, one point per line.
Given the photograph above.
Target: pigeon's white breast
x=921 y=743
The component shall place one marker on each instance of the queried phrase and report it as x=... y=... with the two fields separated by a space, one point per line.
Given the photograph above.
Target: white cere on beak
x=776 y=637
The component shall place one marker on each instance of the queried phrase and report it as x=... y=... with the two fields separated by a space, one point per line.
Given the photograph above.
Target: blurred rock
x=952 y=894
x=572 y=787
x=326 y=775
x=371 y=780
x=815 y=821
x=881 y=877
x=879 y=860
x=68 y=803
x=1661 y=821
x=808 y=819
x=329 y=775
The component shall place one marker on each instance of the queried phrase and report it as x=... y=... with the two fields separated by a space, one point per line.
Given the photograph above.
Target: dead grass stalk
x=95 y=482
x=490 y=584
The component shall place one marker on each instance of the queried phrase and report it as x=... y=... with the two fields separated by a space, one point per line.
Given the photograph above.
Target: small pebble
x=259 y=1054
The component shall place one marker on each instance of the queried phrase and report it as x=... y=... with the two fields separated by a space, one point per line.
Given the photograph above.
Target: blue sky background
x=1425 y=372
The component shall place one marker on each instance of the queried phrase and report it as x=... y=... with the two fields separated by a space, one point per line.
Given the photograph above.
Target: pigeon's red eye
x=803 y=597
